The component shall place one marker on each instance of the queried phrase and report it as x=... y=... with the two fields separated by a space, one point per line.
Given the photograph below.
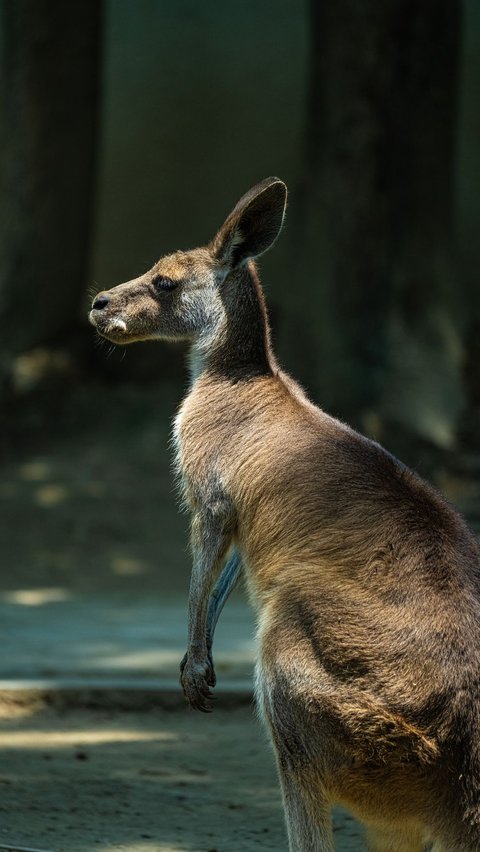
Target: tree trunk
x=377 y=206
x=50 y=94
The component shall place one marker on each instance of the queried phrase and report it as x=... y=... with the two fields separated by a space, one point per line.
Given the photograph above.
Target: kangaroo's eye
x=163 y=284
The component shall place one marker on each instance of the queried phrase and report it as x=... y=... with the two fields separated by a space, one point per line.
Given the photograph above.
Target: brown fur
x=365 y=581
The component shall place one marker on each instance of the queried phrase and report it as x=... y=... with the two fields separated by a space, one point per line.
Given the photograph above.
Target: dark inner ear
x=254 y=224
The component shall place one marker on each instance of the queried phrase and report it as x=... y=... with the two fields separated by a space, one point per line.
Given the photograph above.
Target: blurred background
x=130 y=129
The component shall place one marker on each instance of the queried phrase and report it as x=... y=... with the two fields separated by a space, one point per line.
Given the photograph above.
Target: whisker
x=101 y=342
x=93 y=289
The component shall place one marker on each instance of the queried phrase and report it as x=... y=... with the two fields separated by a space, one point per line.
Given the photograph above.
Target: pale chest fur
x=201 y=436
x=221 y=439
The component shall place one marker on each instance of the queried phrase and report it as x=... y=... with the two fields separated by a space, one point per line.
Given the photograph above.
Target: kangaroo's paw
x=196 y=678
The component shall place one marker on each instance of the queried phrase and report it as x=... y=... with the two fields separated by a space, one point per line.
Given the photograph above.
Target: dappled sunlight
x=51 y=495
x=40 y=739
x=30 y=368
x=35 y=597
x=156 y=659
x=240 y=662
x=36 y=470
x=127 y=567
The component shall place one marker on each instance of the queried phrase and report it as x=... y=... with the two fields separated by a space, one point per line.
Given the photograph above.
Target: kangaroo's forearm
x=201 y=585
x=210 y=541
x=221 y=592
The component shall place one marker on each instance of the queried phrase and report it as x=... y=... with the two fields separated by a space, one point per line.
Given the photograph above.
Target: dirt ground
x=156 y=781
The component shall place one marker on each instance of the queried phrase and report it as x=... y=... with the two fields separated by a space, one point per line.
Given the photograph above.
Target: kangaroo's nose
x=100 y=302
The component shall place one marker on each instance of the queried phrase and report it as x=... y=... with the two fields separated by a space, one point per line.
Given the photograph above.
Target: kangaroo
x=364 y=580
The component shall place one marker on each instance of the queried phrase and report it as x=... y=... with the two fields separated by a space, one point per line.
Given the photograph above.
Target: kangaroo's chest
x=202 y=437
x=223 y=436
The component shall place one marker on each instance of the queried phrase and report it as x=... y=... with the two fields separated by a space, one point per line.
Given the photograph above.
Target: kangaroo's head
x=180 y=297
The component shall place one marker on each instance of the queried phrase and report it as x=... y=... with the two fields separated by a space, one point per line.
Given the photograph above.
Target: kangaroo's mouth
x=113 y=329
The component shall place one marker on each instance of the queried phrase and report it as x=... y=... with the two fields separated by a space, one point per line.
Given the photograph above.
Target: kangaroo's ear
x=253 y=225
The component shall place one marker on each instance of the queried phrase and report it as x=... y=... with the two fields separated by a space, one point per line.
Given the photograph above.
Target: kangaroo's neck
x=239 y=347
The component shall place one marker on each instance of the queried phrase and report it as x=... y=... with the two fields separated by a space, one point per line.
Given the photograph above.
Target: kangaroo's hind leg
x=306 y=807
x=307 y=814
